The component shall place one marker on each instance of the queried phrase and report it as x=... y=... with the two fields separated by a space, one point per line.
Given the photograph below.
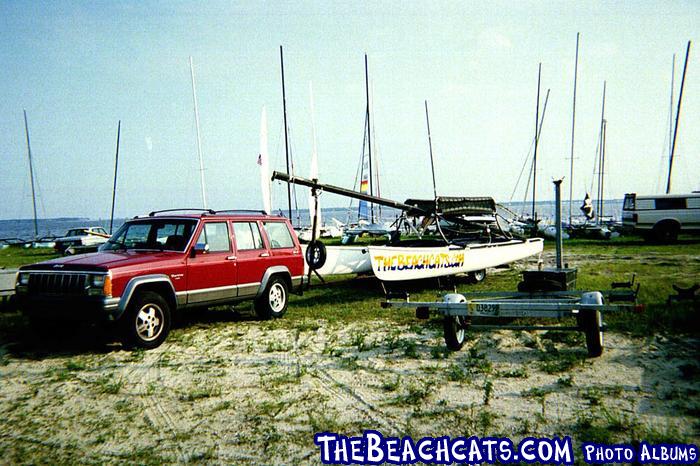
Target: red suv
x=156 y=264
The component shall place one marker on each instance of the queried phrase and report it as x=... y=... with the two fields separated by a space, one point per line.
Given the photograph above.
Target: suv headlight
x=22 y=279
x=100 y=284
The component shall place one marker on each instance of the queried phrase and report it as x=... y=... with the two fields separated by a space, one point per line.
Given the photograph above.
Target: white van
x=662 y=217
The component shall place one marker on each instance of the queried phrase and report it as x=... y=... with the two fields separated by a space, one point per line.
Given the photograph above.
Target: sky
x=78 y=68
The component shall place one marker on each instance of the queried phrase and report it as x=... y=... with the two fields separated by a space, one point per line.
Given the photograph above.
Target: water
x=24 y=228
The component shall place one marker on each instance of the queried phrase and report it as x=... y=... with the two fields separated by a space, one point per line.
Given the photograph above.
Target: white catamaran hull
x=414 y=263
x=342 y=260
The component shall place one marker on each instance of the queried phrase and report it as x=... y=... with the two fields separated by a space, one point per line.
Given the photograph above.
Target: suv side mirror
x=200 y=248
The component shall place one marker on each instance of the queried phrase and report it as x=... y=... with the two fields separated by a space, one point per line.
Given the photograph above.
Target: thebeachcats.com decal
x=418 y=261
x=374 y=448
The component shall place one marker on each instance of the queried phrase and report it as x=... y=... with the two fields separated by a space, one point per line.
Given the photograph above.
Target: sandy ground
x=229 y=390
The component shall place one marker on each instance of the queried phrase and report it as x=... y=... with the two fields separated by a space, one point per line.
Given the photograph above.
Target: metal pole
x=432 y=162
x=537 y=139
x=369 y=140
x=286 y=137
x=199 y=137
x=602 y=171
x=678 y=116
x=114 y=188
x=600 y=153
x=557 y=199
x=573 y=127
x=31 y=174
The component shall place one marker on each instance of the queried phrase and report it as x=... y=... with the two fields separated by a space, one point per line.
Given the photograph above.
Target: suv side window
x=215 y=234
x=247 y=235
x=279 y=235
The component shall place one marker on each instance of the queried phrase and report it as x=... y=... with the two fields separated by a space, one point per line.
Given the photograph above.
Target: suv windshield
x=158 y=234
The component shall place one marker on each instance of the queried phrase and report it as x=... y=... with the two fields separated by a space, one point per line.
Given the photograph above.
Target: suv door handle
x=231 y=258
x=265 y=254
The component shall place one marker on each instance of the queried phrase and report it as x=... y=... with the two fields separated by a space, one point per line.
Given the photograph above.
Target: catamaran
x=471 y=239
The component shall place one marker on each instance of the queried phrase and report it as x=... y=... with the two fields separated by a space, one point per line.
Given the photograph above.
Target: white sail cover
x=264 y=162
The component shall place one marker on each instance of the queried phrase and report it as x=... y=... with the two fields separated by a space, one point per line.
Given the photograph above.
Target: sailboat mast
x=286 y=137
x=199 y=137
x=432 y=162
x=369 y=140
x=114 y=187
x=670 y=107
x=537 y=140
x=599 y=194
x=573 y=128
x=31 y=173
x=678 y=116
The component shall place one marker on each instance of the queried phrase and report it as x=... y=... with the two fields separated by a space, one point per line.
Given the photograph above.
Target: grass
x=13 y=257
x=341 y=321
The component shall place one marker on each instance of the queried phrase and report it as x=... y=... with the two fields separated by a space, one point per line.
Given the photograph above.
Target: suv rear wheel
x=666 y=231
x=146 y=322
x=274 y=300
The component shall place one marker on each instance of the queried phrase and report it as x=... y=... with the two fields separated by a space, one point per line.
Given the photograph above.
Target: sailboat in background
x=367 y=219
x=326 y=260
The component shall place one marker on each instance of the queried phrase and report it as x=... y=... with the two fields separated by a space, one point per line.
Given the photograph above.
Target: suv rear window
x=247 y=235
x=279 y=235
x=670 y=203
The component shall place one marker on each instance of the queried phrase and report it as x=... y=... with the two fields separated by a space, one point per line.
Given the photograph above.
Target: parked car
x=159 y=264
x=79 y=239
x=661 y=217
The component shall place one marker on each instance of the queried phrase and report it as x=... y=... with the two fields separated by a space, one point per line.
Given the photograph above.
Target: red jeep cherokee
x=156 y=264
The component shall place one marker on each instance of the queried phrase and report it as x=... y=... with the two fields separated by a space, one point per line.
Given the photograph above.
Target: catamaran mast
x=670 y=107
x=432 y=162
x=114 y=188
x=199 y=137
x=537 y=139
x=599 y=203
x=286 y=137
x=369 y=141
x=31 y=174
x=573 y=127
x=678 y=116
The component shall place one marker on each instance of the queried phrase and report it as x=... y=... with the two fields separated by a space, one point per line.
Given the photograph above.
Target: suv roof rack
x=244 y=211
x=206 y=211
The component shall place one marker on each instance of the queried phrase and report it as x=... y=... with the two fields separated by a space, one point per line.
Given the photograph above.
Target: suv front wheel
x=146 y=322
x=273 y=302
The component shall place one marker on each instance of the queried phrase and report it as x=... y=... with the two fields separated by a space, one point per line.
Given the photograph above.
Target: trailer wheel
x=477 y=276
x=590 y=322
x=455 y=328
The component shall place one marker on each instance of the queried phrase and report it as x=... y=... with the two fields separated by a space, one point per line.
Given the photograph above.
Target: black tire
x=666 y=231
x=315 y=255
x=590 y=322
x=477 y=276
x=146 y=322
x=274 y=300
x=455 y=330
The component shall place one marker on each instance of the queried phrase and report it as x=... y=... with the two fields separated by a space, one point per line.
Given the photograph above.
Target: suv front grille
x=57 y=283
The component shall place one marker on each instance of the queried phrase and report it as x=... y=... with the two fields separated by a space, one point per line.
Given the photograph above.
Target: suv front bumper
x=70 y=308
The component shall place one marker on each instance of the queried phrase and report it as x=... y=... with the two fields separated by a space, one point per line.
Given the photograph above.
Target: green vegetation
x=13 y=257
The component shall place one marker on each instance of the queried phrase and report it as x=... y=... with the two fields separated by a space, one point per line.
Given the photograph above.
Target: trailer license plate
x=490 y=309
